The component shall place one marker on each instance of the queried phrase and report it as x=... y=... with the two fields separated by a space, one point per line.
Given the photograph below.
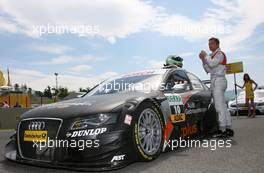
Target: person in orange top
x=248 y=85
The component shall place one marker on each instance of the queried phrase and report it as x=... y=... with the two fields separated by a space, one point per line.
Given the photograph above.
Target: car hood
x=85 y=106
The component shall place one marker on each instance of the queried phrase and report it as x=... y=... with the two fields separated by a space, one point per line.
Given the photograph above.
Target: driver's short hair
x=215 y=39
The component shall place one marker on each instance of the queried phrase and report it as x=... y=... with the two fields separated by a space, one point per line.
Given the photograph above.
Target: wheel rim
x=150 y=132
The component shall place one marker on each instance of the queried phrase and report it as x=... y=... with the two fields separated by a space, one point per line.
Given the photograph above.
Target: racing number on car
x=176 y=108
x=177 y=113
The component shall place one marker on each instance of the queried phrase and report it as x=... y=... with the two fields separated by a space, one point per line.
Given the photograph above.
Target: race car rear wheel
x=148 y=132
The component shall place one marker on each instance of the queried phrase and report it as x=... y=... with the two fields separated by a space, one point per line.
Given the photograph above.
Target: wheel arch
x=156 y=104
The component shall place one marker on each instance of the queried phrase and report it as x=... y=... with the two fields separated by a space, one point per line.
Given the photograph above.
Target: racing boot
x=220 y=134
x=229 y=132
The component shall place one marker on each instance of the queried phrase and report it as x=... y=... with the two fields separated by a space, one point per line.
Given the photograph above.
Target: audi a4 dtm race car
x=125 y=119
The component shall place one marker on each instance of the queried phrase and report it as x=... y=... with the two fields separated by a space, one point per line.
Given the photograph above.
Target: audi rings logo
x=36 y=125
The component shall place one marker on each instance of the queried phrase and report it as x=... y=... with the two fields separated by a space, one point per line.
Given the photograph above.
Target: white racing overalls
x=215 y=65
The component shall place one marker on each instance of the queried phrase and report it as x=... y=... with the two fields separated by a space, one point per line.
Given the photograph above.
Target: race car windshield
x=144 y=83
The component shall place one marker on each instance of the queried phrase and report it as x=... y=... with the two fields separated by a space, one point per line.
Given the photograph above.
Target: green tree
x=16 y=86
x=47 y=92
x=39 y=93
x=63 y=92
x=84 y=90
x=30 y=91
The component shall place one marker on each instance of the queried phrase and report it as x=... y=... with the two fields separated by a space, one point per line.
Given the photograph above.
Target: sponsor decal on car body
x=118 y=158
x=189 y=130
x=176 y=108
x=35 y=135
x=88 y=132
x=128 y=119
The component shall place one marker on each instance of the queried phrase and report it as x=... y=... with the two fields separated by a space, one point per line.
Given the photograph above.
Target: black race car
x=122 y=120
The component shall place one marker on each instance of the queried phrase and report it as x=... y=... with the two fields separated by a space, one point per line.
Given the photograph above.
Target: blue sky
x=125 y=36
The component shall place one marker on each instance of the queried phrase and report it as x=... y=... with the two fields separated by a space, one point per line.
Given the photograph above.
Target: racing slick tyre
x=147 y=132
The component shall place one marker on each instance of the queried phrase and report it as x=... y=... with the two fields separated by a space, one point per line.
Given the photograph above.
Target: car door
x=176 y=86
x=203 y=104
x=202 y=97
x=189 y=113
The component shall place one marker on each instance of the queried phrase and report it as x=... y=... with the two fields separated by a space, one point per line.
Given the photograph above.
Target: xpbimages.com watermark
x=116 y=86
x=212 y=144
x=54 y=143
x=59 y=29
x=192 y=29
x=146 y=87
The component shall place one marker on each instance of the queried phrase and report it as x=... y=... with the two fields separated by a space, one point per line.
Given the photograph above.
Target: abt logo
x=118 y=158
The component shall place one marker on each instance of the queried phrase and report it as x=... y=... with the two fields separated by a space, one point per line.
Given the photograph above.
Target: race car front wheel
x=147 y=132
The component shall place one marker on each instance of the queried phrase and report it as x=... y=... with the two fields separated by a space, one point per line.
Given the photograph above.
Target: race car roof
x=146 y=72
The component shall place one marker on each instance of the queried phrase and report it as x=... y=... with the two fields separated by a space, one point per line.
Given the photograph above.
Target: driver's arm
x=218 y=58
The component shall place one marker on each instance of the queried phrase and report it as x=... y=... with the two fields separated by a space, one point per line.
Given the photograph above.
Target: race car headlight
x=94 y=120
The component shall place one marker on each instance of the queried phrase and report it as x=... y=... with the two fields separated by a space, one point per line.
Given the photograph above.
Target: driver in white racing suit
x=215 y=65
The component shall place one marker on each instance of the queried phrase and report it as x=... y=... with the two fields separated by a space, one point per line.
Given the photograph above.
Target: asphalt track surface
x=245 y=155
